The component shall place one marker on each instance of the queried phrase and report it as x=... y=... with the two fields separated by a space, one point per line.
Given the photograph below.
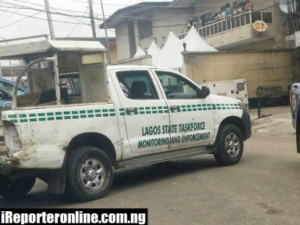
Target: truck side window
x=176 y=87
x=137 y=85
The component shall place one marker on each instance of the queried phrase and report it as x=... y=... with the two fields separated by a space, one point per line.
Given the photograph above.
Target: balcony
x=236 y=31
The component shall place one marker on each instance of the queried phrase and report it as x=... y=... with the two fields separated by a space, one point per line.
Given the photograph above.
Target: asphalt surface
x=263 y=189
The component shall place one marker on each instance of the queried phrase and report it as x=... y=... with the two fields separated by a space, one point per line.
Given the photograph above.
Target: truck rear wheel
x=230 y=145
x=16 y=188
x=89 y=174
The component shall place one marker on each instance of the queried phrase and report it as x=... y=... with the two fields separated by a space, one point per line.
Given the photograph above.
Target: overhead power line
x=15 y=6
x=32 y=16
x=39 y=5
x=77 y=24
x=24 y=18
x=15 y=11
x=45 y=11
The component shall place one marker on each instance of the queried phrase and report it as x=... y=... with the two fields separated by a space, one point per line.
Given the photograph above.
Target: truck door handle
x=131 y=110
x=174 y=107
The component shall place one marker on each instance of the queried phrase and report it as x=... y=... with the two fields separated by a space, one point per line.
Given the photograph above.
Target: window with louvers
x=145 y=28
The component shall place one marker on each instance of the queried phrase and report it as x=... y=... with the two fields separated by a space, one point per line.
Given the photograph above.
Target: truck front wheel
x=89 y=174
x=230 y=145
x=16 y=188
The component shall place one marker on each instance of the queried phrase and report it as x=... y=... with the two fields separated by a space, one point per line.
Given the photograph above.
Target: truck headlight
x=243 y=106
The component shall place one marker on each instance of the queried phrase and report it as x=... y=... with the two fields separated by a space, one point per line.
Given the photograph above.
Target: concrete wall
x=268 y=68
x=122 y=40
x=113 y=53
x=243 y=37
x=164 y=20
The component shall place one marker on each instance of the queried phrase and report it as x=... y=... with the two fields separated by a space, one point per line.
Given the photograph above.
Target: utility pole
x=49 y=17
x=106 y=36
x=92 y=20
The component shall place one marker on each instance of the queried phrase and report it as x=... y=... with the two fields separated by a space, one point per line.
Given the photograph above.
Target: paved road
x=263 y=189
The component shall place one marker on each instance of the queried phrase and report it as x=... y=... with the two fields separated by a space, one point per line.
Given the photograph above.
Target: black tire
x=16 y=188
x=79 y=163
x=228 y=155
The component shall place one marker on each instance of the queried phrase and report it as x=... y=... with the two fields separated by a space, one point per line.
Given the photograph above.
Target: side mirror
x=204 y=92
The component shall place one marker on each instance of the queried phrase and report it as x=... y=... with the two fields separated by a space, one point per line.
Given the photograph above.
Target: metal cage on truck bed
x=84 y=59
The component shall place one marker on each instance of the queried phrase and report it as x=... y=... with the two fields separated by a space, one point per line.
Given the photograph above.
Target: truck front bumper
x=247 y=124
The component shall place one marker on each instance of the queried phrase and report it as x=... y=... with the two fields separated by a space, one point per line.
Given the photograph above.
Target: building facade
x=140 y=24
x=236 y=31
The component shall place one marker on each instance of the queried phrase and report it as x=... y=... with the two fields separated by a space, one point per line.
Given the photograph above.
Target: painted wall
x=164 y=20
x=122 y=40
x=113 y=53
x=268 y=68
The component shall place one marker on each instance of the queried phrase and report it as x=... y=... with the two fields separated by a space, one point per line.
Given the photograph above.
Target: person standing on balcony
x=219 y=15
x=228 y=10
x=248 y=6
x=223 y=15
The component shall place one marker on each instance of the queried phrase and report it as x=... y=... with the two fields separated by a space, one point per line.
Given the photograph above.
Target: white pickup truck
x=122 y=116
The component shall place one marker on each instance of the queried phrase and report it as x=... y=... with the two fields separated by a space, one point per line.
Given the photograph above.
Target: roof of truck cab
x=119 y=67
x=49 y=46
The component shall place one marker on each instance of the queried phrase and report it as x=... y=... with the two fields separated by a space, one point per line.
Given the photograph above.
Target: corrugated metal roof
x=128 y=13
x=179 y=3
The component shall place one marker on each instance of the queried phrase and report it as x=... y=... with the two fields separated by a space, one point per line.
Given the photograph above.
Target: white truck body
x=118 y=116
x=37 y=128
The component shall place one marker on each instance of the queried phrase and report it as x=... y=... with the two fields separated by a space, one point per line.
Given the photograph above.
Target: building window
x=267 y=17
x=256 y=16
x=145 y=28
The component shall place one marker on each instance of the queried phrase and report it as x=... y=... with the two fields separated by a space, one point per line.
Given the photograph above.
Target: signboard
x=260 y=26
x=92 y=59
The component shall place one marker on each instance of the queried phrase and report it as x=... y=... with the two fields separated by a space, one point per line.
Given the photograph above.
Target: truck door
x=191 y=118
x=144 y=110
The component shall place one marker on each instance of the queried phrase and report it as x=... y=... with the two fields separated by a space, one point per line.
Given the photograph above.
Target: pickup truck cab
x=123 y=116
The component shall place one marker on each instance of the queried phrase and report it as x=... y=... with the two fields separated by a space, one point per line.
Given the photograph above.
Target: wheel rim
x=92 y=174
x=232 y=145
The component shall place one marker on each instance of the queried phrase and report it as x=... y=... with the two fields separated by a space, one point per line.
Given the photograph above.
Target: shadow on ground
x=124 y=179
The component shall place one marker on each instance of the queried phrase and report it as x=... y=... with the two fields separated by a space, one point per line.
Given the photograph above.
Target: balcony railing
x=232 y=23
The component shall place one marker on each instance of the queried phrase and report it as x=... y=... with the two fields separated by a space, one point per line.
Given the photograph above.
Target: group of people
x=237 y=7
